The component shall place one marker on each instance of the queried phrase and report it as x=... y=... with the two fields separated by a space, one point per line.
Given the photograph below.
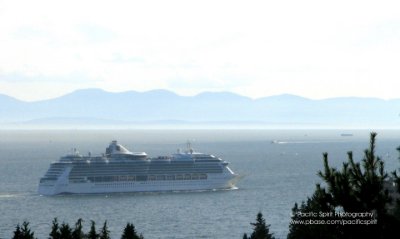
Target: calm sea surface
x=276 y=175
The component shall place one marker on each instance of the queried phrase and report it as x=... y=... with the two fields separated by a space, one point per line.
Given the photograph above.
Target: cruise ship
x=119 y=170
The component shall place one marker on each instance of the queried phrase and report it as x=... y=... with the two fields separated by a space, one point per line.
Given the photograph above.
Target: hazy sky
x=317 y=49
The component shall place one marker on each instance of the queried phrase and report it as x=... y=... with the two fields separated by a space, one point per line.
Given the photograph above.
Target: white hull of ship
x=211 y=183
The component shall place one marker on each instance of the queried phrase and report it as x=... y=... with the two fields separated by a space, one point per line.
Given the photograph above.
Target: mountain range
x=99 y=107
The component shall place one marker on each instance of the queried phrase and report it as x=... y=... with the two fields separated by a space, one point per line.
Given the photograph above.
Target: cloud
x=73 y=77
x=38 y=87
x=95 y=33
x=28 y=33
x=255 y=48
x=119 y=57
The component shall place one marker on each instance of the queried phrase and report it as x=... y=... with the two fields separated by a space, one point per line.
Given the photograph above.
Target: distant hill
x=95 y=106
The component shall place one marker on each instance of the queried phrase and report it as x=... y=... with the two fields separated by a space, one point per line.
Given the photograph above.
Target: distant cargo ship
x=119 y=170
x=346 y=135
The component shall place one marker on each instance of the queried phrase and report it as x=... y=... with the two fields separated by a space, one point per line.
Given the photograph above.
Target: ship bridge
x=116 y=150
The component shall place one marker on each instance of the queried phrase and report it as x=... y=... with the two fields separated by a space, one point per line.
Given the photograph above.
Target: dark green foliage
x=92 y=233
x=78 y=232
x=65 y=231
x=23 y=232
x=260 y=229
x=17 y=232
x=105 y=233
x=62 y=232
x=55 y=230
x=317 y=203
x=130 y=232
x=357 y=187
x=396 y=179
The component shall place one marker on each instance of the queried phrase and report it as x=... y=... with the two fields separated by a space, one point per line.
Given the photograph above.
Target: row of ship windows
x=148 y=166
x=194 y=176
x=87 y=174
x=101 y=175
x=155 y=163
x=127 y=172
x=145 y=168
x=130 y=184
x=102 y=162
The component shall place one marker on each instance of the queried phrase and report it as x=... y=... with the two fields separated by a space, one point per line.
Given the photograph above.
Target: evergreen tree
x=260 y=229
x=396 y=180
x=357 y=187
x=92 y=233
x=130 y=232
x=65 y=231
x=55 y=230
x=315 y=204
x=23 y=232
x=77 y=232
x=17 y=232
x=26 y=231
x=105 y=233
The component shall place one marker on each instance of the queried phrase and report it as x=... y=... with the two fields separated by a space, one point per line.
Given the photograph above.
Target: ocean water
x=279 y=168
